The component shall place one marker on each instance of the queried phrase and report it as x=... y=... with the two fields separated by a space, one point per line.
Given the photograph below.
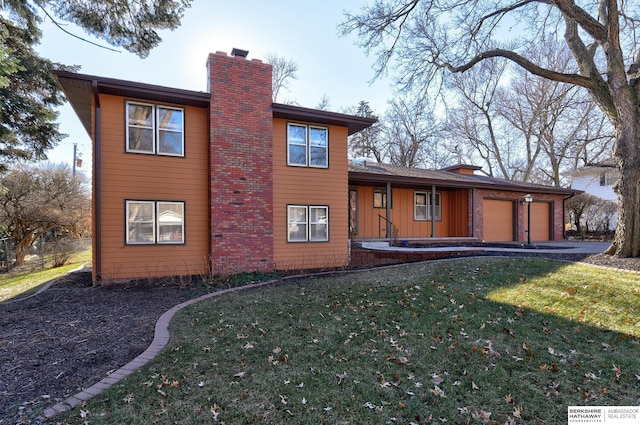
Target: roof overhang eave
x=353 y=123
x=374 y=178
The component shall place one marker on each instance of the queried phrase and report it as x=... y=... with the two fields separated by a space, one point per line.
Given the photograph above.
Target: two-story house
x=224 y=181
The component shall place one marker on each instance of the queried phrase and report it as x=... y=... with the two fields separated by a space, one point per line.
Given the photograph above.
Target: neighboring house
x=225 y=181
x=598 y=180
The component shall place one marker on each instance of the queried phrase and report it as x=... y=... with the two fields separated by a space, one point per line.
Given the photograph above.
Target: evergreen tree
x=28 y=91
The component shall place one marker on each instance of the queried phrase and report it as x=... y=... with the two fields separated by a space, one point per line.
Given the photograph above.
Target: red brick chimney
x=241 y=162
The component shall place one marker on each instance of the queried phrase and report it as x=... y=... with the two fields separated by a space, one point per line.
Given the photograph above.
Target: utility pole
x=75 y=152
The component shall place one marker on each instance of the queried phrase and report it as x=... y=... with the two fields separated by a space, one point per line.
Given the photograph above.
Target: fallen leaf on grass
x=240 y=375
x=517 y=412
x=402 y=360
x=482 y=416
x=437 y=391
x=591 y=376
x=214 y=411
x=436 y=378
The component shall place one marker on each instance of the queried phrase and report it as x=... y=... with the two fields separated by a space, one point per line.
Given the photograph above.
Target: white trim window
x=155 y=129
x=154 y=222
x=307 y=223
x=307 y=146
x=422 y=206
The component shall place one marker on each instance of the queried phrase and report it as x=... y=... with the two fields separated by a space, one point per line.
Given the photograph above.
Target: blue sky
x=328 y=64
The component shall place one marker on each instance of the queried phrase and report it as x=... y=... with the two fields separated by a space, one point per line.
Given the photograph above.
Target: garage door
x=498 y=220
x=540 y=226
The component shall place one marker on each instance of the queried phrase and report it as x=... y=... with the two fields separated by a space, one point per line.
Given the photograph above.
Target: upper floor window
x=155 y=222
x=307 y=146
x=155 y=129
x=423 y=206
x=607 y=179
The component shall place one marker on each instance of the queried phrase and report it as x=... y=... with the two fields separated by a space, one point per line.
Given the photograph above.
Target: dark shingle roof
x=380 y=173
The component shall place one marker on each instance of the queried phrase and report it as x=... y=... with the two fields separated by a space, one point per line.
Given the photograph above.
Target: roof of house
x=79 y=89
x=594 y=168
x=377 y=173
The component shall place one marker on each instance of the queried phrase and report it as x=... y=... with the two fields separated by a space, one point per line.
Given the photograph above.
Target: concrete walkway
x=161 y=336
x=558 y=247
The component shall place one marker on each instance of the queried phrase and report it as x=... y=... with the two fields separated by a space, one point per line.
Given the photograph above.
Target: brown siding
x=311 y=186
x=454 y=215
x=128 y=176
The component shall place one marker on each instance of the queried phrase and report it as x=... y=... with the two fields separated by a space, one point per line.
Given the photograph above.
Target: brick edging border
x=160 y=341
x=161 y=335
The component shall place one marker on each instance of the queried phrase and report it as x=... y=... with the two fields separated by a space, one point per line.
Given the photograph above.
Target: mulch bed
x=73 y=334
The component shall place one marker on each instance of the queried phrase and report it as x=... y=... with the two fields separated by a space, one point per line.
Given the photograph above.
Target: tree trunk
x=626 y=242
x=22 y=249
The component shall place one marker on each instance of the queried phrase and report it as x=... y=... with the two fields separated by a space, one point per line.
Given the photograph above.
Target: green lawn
x=507 y=340
x=14 y=285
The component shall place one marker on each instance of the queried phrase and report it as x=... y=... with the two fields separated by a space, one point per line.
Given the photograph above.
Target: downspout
x=97 y=236
x=388 y=226
x=433 y=211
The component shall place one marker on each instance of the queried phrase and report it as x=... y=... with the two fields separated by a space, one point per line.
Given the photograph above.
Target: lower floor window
x=423 y=206
x=307 y=223
x=154 y=222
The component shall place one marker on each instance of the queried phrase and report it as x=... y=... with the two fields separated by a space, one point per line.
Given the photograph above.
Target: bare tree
x=557 y=121
x=589 y=213
x=476 y=121
x=411 y=133
x=283 y=70
x=324 y=104
x=428 y=37
x=367 y=142
x=37 y=199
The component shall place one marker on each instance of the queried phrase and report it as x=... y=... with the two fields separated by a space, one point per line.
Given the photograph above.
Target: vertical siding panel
x=311 y=186
x=153 y=177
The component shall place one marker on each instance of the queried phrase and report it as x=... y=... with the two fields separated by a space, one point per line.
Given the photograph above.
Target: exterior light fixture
x=528 y=198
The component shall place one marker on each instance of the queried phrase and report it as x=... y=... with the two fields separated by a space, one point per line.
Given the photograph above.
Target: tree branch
x=594 y=28
x=70 y=33
x=503 y=11
x=524 y=63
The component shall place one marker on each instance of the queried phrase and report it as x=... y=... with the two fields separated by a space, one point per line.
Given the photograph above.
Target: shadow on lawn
x=510 y=340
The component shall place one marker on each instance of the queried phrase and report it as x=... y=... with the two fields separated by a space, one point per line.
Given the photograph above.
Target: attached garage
x=540 y=221
x=498 y=220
